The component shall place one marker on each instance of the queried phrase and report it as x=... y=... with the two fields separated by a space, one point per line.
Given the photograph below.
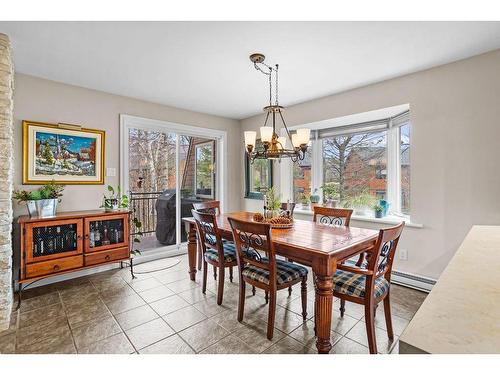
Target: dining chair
x=370 y=283
x=332 y=216
x=220 y=253
x=258 y=266
x=211 y=207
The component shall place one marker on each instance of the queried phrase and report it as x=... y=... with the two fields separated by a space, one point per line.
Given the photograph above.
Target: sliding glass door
x=164 y=172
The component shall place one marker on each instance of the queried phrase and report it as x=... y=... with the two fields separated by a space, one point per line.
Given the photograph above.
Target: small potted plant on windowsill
x=361 y=203
x=379 y=211
x=304 y=200
x=42 y=202
x=314 y=198
x=330 y=194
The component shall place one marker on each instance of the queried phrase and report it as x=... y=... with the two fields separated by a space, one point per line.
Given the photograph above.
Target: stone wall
x=6 y=163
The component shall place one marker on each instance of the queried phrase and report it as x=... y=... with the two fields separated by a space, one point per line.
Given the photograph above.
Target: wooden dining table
x=318 y=246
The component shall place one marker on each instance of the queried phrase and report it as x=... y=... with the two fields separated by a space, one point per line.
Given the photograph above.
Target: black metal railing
x=143 y=207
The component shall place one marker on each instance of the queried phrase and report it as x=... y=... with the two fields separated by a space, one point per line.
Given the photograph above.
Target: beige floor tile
x=348 y=346
x=196 y=295
x=229 y=320
x=47 y=329
x=286 y=320
x=41 y=314
x=8 y=343
x=93 y=331
x=183 y=285
x=184 y=318
x=84 y=312
x=169 y=277
x=40 y=301
x=38 y=291
x=105 y=285
x=358 y=334
x=61 y=343
x=305 y=334
x=204 y=334
x=398 y=324
x=288 y=345
x=140 y=285
x=255 y=335
x=343 y=324
x=171 y=345
x=229 y=345
x=168 y=305
x=155 y=294
x=116 y=344
x=135 y=317
x=119 y=304
x=149 y=333
x=210 y=307
x=124 y=290
x=354 y=310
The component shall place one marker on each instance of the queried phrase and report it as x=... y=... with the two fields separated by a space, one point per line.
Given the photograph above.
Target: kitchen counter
x=462 y=312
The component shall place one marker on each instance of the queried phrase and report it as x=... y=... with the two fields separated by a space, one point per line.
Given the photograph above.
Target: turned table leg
x=323 y=307
x=192 y=249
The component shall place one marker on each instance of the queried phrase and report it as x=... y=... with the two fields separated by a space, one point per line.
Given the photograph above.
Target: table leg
x=323 y=307
x=192 y=249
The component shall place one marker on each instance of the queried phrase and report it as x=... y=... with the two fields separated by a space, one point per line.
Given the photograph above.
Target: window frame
x=253 y=194
x=213 y=180
x=393 y=173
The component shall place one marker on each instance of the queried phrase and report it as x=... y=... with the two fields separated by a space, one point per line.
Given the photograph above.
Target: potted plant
x=116 y=200
x=330 y=194
x=305 y=199
x=272 y=203
x=361 y=203
x=379 y=211
x=314 y=198
x=41 y=202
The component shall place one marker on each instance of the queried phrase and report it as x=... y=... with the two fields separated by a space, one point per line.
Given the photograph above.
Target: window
x=363 y=164
x=258 y=176
x=356 y=164
x=302 y=177
x=204 y=176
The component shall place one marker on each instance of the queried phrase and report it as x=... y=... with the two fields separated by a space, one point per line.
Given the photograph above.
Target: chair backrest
x=380 y=258
x=332 y=216
x=211 y=207
x=208 y=232
x=284 y=207
x=250 y=240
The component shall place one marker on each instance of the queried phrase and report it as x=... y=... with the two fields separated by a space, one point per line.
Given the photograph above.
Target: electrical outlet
x=403 y=254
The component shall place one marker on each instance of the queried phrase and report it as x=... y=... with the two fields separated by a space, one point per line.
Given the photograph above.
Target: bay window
x=366 y=162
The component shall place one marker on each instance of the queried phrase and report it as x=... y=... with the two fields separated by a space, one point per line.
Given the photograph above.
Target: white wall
x=455 y=154
x=38 y=99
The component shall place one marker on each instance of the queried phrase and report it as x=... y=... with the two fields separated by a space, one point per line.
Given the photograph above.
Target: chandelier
x=274 y=146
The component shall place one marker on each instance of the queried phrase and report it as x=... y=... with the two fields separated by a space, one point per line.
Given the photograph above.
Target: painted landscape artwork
x=65 y=155
x=58 y=154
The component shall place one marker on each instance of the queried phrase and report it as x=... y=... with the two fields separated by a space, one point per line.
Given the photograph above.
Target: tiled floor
x=165 y=312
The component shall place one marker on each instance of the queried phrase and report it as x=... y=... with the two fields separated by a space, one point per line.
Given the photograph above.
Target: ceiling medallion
x=274 y=146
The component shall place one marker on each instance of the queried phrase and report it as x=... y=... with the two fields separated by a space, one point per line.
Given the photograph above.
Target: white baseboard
x=422 y=283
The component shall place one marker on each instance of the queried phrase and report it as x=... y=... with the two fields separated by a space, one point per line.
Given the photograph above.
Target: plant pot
x=111 y=204
x=42 y=207
x=379 y=214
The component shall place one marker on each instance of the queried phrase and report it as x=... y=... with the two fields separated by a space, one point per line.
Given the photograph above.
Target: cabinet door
x=53 y=239
x=106 y=232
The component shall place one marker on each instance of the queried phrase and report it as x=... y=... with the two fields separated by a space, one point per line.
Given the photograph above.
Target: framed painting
x=64 y=153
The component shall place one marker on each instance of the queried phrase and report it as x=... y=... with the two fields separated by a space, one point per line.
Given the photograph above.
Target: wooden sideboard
x=72 y=241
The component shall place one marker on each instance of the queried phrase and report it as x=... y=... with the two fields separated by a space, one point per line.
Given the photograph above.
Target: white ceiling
x=204 y=66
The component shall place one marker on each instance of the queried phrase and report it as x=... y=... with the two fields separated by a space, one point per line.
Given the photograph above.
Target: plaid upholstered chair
x=370 y=283
x=252 y=241
x=210 y=207
x=332 y=216
x=216 y=251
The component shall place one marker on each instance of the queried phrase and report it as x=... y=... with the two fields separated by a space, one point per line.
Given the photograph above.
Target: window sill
x=390 y=219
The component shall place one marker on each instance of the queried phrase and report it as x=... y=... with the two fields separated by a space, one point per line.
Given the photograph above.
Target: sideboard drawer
x=106 y=256
x=53 y=266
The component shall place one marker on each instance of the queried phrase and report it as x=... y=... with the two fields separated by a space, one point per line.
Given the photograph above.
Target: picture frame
x=64 y=153
x=204 y=178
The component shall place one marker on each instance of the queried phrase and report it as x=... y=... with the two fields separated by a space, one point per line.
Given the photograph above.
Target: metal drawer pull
x=107 y=257
x=56 y=268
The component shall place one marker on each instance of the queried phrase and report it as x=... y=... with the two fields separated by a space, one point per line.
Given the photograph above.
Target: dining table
x=319 y=246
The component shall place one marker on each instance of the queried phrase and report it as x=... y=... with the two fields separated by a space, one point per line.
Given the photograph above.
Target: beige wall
x=455 y=179
x=47 y=101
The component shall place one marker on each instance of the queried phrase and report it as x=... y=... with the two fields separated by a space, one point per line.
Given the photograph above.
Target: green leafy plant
x=273 y=200
x=50 y=190
x=116 y=198
x=378 y=208
x=305 y=199
x=330 y=190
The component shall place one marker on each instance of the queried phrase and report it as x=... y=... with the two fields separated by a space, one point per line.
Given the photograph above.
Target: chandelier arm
x=267 y=117
x=286 y=127
x=276 y=86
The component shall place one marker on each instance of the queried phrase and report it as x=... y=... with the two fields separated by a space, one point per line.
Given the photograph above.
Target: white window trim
x=393 y=176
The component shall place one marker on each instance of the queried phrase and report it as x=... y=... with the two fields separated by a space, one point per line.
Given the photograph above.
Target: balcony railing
x=143 y=207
